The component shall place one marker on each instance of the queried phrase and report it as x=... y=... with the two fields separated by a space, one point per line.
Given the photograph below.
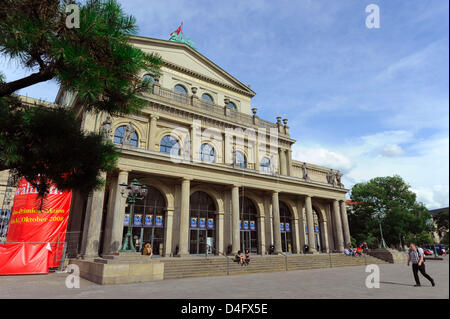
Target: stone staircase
x=217 y=265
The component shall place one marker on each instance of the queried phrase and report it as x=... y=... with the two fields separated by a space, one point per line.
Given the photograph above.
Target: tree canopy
x=389 y=201
x=95 y=61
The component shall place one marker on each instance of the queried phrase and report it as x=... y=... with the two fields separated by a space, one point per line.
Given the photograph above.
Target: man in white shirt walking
x=415 y=255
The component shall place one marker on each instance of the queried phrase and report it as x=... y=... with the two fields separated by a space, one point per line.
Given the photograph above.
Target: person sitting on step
x=147 y=251
x=247 y=257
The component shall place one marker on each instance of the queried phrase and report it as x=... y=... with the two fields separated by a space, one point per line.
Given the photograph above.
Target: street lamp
x=133 y=192
x=383 y=243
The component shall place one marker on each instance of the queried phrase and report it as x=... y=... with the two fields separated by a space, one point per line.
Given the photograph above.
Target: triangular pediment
x=182 y=57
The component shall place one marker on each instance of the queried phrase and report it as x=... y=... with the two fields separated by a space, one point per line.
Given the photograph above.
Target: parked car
x=428 y=252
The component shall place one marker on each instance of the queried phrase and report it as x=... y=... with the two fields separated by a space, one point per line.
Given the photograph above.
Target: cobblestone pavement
x=396 y=281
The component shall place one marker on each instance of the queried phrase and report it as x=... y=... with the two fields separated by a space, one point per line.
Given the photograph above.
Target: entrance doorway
x=202 y=234
x=148 y=222
x=317 y=231
x=285 y=228
x=248 y=225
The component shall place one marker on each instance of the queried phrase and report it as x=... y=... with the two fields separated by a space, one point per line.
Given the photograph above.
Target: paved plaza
x=396 y=281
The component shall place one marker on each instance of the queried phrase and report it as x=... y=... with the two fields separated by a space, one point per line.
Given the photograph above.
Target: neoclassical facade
x=220 y=179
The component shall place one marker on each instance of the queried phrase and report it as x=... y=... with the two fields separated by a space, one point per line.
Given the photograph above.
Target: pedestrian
x=416 y=257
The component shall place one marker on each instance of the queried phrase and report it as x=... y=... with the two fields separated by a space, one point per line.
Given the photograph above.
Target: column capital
x=154 y=117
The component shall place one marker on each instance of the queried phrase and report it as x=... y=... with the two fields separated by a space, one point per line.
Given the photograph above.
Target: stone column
x=168 y=233
x=276 y=222
x=283 y=168
x=220 y=232
x=257 y=154
x=262 y=235
x=114 y=220
x=324 y=233
x=152 y=132
x=93 y=223
x=228 y=144
x=184 y=218
x=301 y=225
x=345 y=226
x=236 y=218
x=289 y=162
x=268 y=218
x=310 y=225
x=338 y=229
x=295 y=233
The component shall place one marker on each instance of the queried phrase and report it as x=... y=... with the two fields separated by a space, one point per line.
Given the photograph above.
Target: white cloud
x=391 y=150
x=424 y=164
x=433 y=197
x=322 y=156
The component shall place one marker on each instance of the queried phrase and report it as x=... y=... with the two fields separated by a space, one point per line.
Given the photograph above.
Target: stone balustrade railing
x=316 y=173
x=222 y=112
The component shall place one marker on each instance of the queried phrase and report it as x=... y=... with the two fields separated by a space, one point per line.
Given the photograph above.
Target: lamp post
x=383 y=243
x=133 y=192
x=381 y=214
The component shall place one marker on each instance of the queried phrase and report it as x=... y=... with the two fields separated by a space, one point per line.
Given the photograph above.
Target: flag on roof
x=177 y=31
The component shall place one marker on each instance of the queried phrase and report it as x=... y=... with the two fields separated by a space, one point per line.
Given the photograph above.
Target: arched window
x=208 y=98
x=265 y=165
x=169 y=145
x=207 y=153
x=180 y=89
x=150 y=78
x=232 y=106
x=119 y=133
x=239 y=159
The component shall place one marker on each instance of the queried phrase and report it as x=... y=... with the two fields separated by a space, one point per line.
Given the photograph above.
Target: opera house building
x=219 y=178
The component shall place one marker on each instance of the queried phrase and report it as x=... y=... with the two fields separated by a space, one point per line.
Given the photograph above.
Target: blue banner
x=137 y=220
x=159 y=221
x=148 y=221
x=202 y=223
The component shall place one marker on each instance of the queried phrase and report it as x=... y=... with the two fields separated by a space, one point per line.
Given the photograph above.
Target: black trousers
x=416 y=268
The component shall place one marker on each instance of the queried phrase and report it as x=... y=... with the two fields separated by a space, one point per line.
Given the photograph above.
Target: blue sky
x=371 y=102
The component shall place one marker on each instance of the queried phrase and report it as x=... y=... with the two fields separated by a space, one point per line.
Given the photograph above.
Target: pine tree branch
x=8 y=88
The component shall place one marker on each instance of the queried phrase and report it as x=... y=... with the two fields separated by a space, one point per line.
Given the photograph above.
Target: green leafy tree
x=390 y=202
x=441 y=221
x=95 y=61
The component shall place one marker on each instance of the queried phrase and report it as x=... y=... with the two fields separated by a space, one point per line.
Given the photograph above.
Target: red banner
x=34 y=220
x=24 y=258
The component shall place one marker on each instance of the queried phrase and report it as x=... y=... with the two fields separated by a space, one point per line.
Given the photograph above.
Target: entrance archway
x=149 y=220
x=286 y=228
x=202 y=220
x=317 y=231
x=248 y=225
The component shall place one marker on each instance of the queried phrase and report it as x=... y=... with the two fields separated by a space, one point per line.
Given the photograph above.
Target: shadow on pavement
x=395 y=283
